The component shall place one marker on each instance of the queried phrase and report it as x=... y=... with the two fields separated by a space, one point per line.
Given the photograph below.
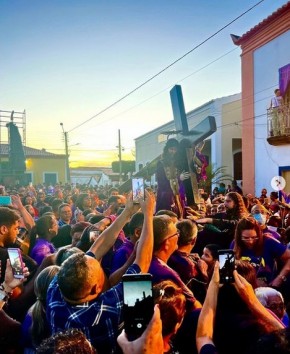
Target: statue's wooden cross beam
x=199 y=133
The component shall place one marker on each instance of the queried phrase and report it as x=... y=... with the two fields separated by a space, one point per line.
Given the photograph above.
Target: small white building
x=91 y=176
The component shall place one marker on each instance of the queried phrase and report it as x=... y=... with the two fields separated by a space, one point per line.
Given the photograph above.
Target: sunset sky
x=68 y=60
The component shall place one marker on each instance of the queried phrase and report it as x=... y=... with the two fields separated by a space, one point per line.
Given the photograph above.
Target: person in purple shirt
x=165 y=243
x=76 y=298
x=263 y=251
x=46 y=227
x=123 y=253
x=185 y=263
x=286 y=196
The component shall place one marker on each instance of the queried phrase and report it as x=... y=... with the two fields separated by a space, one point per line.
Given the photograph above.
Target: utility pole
x=120 y=156
x=65 y=134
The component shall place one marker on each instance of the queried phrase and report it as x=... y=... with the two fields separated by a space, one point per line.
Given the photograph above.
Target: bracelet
x=8 y=293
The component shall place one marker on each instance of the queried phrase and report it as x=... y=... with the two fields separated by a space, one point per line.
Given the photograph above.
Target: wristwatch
x=3 y=296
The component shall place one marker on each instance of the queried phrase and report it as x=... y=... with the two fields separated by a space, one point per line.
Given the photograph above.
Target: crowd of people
x=77 y=242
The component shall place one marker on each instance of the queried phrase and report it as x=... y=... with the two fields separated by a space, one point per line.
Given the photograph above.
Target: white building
x=223 y=148
x=92 y=176
x=265 y=67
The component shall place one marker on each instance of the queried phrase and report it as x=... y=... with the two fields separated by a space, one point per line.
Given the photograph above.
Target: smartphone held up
x=227 y=266
x=5 y=200
x=138 y=303
x=138 y=189
x=16 y=262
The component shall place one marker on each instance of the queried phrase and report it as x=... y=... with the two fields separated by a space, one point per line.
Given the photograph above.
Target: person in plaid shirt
x=76 y=297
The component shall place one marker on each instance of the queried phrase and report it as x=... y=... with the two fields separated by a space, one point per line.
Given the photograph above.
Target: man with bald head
x=261 y=214
x=77 y=296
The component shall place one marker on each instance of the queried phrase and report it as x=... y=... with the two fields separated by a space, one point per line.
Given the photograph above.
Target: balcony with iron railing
x=278 y=125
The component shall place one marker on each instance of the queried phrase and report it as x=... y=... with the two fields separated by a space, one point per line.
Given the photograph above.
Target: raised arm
x=284 y=273
x=108 y=237
x=266 y=320
x=204 y=333
x=26 y=217
x=117 y=275
x=145 y=245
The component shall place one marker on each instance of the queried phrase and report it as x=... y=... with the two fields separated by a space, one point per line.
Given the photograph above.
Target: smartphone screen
x=94 y=235
x=5 y=200
x=227 y=266
x=138 y=189
x=16 y=262
x=138 y=303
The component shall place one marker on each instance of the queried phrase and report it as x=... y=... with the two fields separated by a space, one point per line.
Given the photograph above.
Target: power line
x=221 y=126
x=92 y=149
x=184 y=78
x=167 y=67
x=169 y=87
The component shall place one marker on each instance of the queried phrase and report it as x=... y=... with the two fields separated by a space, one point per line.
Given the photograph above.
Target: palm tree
x=214 y=176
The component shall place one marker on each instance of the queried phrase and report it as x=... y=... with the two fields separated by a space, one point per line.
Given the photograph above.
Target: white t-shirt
x=276 y=101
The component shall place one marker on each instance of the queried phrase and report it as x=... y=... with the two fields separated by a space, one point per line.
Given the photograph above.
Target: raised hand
x=148 y=204
x=151 y=340
x=12 y=282
x=184 y=175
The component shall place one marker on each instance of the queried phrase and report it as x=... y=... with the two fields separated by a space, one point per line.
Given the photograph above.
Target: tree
x=214 y=176
x=127 y=166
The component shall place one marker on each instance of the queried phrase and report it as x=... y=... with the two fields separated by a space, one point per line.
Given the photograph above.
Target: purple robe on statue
x=165 y=196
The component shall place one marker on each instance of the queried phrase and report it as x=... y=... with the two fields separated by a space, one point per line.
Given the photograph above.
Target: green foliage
x=214 y=176
x=127 y=166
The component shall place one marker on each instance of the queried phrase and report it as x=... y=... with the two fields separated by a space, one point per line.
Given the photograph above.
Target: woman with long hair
x=263 y=251
x=46 y=227
x=35 y=327
x=170 y=190
x=227 y=222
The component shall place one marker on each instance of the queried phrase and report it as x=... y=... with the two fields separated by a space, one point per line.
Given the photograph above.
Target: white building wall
x=221 y=141
x=267 y=61
x=104 y=180
x=231 y=116
x=150 y=145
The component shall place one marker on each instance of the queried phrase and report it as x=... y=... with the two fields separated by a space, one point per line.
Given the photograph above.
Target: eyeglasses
x=176 y=234
x=246 y=239
x=259 y=212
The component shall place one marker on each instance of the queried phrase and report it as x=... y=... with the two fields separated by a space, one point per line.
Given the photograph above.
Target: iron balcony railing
x=278 y=121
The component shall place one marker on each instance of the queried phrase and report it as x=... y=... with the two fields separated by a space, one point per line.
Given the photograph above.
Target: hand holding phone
x=138 y=189
x=138 y=303
x=5 y=200
x=227 y=266
x=151 y=340
x=16 y=262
